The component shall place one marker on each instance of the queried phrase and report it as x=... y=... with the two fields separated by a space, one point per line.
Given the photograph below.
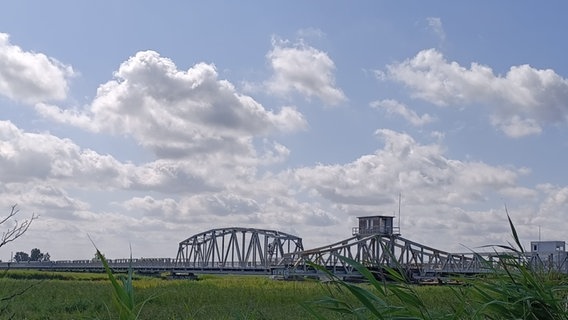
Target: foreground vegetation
x=48 y=295
x=89 y=296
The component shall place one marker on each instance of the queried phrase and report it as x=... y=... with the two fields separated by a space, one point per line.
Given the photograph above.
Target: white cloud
x=403 y=165
x=519 y=193
x=178 y=113
x=436 y=25
x=42 y=197
x=516 y=127
x=434 y=189
x=395 y=107
x=548 y=213
x=27 y=157
x=529 y=96
x=305 y=70
x=310 y=33
x=152 y=207
x=221 y=204
x=73 y=117
x=260 y=209
x=31 y=77
x=174 y=177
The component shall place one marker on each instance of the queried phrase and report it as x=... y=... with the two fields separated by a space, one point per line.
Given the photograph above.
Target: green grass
x=90 y=296
x=47 y=275
x=123 y=292
x=87 y=296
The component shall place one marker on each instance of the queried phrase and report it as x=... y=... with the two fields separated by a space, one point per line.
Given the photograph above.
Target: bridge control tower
x=379 y=225
x=550 y=255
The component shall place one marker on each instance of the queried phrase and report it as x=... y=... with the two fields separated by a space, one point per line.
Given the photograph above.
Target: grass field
x=48 y=295
x=89 y=296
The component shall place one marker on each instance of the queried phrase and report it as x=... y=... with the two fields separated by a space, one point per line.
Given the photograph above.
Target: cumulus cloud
x=516 y=127
x=176 y=177
x=553 y=207
x=43 y=197
x=31 y=77
x=71 y=116
x=259 y=209
x=178 y=113
x=395 y=107
x=294 y=201
x=305 y=70
x=26 y=157
x=404 y=165
x=521 y=101
x=221 y=204
x=167 y=207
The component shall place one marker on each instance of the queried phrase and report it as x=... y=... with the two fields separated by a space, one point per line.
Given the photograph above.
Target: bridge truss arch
x=378 y=251
x=236 y=248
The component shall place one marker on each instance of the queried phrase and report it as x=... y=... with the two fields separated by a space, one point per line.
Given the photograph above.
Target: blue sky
x=143 y=123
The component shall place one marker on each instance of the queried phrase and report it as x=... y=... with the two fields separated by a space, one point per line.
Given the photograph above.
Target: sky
x=138 y=124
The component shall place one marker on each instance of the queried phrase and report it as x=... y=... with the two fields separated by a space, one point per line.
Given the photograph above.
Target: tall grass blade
x=514 y=231
x=123 y=292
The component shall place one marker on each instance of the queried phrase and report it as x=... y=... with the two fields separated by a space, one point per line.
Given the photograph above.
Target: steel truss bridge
x=387 y=251
x=237 y=249
x=224 y=250
x=260 y=251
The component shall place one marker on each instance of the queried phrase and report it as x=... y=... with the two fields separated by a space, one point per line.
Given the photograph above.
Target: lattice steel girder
x=388 y=251
x=238 y=248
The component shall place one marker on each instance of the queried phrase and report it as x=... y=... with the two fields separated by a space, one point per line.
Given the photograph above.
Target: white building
x=549 y=255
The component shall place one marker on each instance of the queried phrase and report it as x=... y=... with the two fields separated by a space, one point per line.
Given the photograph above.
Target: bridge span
x=237 y=248
x=223 y=250
x=375 y=243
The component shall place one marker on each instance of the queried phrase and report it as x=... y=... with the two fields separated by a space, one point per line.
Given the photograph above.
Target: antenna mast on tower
x=399 y=196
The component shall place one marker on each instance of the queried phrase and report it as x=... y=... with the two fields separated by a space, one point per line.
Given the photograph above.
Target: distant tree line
x=34 y=255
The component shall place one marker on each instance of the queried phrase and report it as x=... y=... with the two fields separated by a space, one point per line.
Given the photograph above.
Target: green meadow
x=48 y=295
x=51 y=295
